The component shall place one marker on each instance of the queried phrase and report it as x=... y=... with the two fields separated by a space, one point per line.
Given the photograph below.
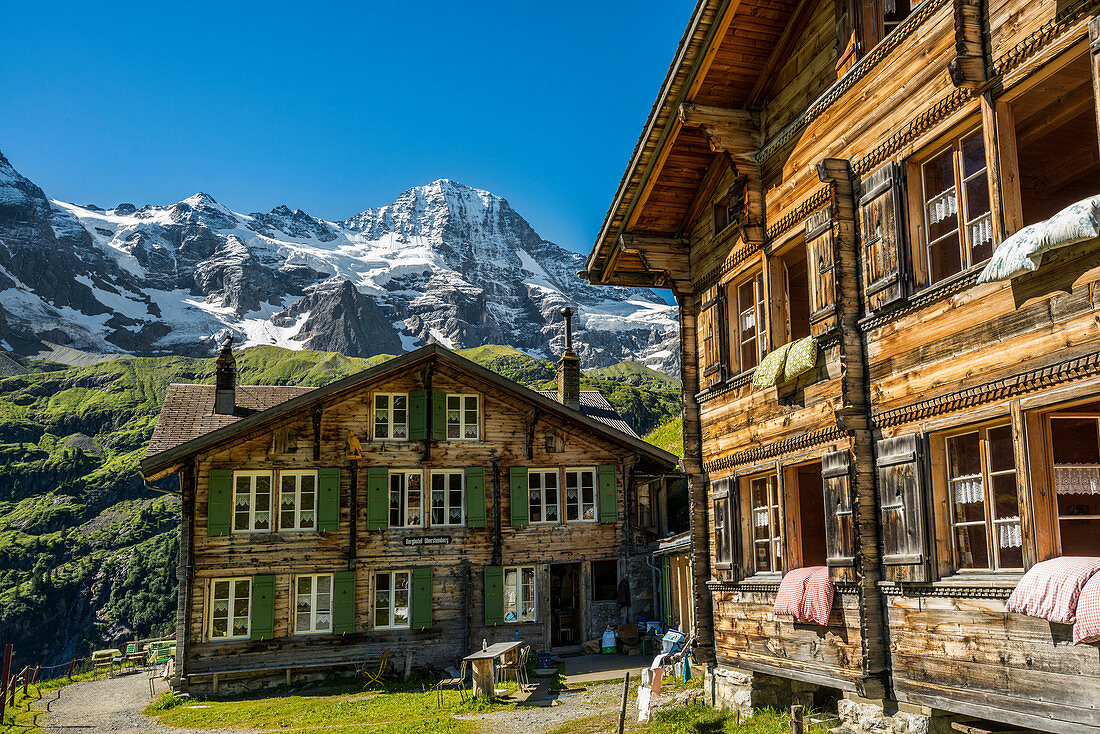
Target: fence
x=28 y=677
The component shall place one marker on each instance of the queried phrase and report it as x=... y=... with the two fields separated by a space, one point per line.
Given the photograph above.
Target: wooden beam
x=968 y=68
x=701 y=201
x=735 y=132
x=669 y=255
x=799 y=18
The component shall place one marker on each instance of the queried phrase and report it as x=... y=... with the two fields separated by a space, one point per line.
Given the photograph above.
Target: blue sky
x=334 y=107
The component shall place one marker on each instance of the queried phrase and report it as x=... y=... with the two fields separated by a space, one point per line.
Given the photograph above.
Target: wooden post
x=483 y=678
x=25 y=680
x=5 y=670
x=796 y=719
x=72 y=664
x=1094 y=47
x=37 y=670
x=622 y=706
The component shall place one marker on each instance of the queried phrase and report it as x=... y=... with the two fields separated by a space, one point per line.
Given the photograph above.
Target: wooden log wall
x=458 y=614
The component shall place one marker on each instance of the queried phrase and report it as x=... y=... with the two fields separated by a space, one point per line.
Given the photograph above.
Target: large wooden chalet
x=414 y=509
x=821 y=184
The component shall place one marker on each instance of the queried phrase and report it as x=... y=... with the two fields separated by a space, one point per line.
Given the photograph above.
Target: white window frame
x=518 y=590
x=389 y=412
x=314 y=608
x=739 y=311
x=231 y=603
x=579 y=505
x=392 y=607
x=446 y=474
x=542 y=474
x=404 y=498
x=463 y=416
x=774 y=515
x=296 y=493
x=252 y=512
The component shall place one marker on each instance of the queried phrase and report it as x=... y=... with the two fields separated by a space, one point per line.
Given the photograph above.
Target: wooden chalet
x=412 y=510
x=821 y=183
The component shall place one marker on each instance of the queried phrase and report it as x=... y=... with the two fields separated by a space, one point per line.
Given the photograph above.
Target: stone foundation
x=867 y=716
x=743 y=691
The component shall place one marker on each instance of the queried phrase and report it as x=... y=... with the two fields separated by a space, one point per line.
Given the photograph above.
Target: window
x=462 y=422
x=313 y=604
x=542 y=494
x=747 y=322
x=405 y=499
x=723 y=545
x=519 y=594
x=391 y=416
x=795 y=279
x=1075 y=454
x=230 y=608
x=766 y=525
x=605 y=580
x=391 y=599
x=958 y=227
x=447 y=491
x=1051 y=128
x=251 y=501
x=580 y=494
x=811 y=515
x=986 y=534
x=297 y=500
x=730 y=209
x=647 y=494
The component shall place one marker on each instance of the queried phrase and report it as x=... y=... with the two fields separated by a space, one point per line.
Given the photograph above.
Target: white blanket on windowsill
x=1023 y=252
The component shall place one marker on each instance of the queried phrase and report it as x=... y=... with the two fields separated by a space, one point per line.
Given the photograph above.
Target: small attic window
x=730 y=209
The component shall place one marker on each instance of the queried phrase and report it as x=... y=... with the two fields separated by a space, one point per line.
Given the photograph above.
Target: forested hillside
x=87 y=553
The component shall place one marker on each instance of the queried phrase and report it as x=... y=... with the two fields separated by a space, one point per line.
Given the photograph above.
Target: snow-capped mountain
x=444 y=263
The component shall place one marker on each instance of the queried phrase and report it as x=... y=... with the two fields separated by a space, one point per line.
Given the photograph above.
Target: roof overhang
x=172 y=460
x=729 y=47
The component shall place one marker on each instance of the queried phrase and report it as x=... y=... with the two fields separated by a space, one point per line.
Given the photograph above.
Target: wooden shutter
x=421 y=618
x=901 y=502
x=711 y=333
x=494 y=595
x=847 y=42
x=263 y=607
x=377 y=496
x=475 y=497
x=219 y=501
x=517 y=494
x=343 y=602
x=328 y=499
x=418 y=415
x=609 y=493
x=439 y=415
x=884 y=263
x=839 y=526
x=723 y=542
x=821 y=273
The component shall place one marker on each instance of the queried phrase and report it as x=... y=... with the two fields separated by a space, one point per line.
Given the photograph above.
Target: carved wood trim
x=1040 y=39
x=1009 y=387
x=923 y=298
x=771 y=450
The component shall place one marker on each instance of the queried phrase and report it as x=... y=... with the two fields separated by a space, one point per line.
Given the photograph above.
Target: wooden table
x=482 y=662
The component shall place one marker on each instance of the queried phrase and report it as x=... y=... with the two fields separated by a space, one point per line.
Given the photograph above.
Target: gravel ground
x=111 y=705
x=601 y=698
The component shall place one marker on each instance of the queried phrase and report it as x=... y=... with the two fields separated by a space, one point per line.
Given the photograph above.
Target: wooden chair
x=452 y=683
x=372 y=669
x=103 y=660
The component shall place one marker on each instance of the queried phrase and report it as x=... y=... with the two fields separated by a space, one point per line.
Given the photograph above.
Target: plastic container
x=607 y=643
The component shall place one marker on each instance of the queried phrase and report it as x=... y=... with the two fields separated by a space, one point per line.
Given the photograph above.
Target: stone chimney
x=225 y=380
x=569 y=368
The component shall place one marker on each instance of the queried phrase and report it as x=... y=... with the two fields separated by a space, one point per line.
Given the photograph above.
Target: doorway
x=565 y=604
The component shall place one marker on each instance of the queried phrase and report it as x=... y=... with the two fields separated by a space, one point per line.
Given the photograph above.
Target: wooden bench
x=105 y=659
x=217 y=676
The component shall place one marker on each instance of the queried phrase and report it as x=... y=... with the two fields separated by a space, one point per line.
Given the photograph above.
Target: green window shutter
x=494 y=595
x=418 y=415
x=219 y=501
x=439 y=415
x=421 y=618
x=517 y=480
x=377 y=506
x=609 y=495
x=666 y=592
x=263 y=607
x=475 y=497
x=343 y=602
x=328 y=499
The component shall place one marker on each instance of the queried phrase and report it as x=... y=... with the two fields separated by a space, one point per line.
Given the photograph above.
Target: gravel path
x=110 y=705
x=601 y=698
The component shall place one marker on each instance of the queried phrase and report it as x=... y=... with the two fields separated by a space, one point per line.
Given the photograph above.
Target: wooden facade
x=357 y=524
x=843 y=170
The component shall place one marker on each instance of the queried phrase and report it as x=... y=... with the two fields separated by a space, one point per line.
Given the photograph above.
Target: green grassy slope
x=87 y=554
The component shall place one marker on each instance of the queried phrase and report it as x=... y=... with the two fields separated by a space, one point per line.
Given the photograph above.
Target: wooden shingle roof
x=595 y=406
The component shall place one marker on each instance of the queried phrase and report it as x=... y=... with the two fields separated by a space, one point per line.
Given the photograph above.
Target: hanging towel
x=624 y=593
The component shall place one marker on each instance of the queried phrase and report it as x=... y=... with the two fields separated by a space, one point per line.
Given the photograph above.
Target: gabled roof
x=595 y=406
x=192 y=412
